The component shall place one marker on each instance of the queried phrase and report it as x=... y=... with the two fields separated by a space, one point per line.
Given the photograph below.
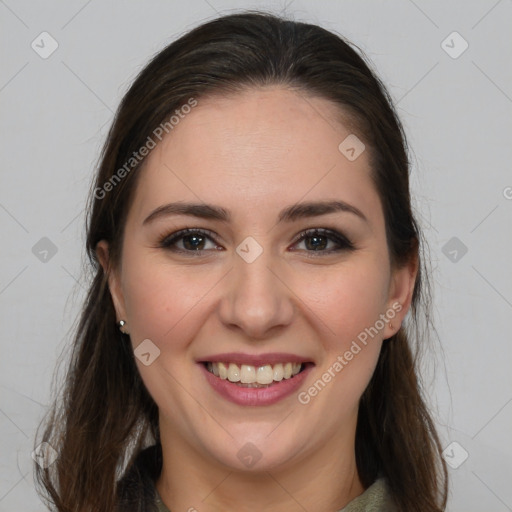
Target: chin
x=256 y=453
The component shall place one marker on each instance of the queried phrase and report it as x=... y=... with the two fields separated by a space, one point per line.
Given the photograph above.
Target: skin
x=255 y=153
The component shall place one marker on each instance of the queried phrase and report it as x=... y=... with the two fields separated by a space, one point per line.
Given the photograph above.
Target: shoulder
x=136 y=490
x=376 y=498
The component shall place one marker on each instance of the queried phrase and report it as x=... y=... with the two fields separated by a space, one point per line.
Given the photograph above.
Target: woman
x=243 y=345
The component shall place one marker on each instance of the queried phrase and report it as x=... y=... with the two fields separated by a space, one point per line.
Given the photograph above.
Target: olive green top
x=375 y=499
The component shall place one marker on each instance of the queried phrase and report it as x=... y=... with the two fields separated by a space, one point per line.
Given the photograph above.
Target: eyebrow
x=289 y=214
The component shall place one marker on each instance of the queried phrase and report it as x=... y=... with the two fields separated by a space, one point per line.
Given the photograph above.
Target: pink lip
x=255 y=396
x=255 y=360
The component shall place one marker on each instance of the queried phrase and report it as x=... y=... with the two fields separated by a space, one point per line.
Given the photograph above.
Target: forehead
x=253 y=151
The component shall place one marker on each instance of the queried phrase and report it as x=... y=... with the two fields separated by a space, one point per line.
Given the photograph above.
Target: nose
x=257 y=300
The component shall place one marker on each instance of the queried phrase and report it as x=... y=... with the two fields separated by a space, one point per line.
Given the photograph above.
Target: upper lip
x=255 y=360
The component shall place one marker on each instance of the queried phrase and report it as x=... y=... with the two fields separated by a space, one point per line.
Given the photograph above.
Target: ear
x=401 y=290
x=102 y=252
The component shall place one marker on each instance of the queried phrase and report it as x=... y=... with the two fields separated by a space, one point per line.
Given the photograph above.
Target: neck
x=192 y=482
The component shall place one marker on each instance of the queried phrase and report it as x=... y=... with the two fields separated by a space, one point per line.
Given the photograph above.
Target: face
x=258 y=281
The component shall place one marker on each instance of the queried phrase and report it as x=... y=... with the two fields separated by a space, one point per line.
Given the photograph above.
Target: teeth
x=252 y=375
x=278 y=372
x=233 y=372
x=247 y=374
x=264 y=374
x=223 y=371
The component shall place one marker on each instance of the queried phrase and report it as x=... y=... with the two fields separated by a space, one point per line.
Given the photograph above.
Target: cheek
x=348 y=301
x=163 y=304
x=160 y=298
x=349 y=304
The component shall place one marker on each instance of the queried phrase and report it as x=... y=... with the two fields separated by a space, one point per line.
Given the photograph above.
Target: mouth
x=251 y=376
x=269 y=379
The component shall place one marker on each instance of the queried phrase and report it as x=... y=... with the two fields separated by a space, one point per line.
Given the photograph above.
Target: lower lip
x=256 y=396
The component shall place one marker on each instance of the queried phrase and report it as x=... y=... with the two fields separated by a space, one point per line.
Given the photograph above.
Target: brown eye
x=191 y=240
x=318 y=240
x=195 y=241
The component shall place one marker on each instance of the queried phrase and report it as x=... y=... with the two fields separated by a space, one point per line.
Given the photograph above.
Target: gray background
x=55 y=113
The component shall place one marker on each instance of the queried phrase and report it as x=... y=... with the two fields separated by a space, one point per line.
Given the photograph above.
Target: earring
x=391 y=327
x=121 y=324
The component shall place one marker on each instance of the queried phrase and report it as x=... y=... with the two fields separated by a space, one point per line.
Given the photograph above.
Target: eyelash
x=169 y=240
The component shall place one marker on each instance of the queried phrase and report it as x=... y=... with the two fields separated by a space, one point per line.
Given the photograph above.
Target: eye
x=317 y=240
x=195 y=241
x=191 y=240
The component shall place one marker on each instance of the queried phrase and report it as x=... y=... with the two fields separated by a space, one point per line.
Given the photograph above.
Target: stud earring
x=121 y=325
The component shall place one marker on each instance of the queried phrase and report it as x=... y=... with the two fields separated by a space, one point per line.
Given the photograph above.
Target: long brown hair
x=105 y=417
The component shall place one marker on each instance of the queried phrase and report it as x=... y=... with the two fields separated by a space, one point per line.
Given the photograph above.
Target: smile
x=254 y=376
x=255 y=380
